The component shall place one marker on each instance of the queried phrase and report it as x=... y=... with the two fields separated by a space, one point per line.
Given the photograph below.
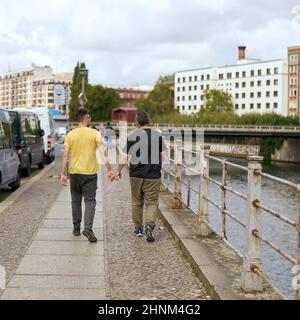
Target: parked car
x=28 y=140
x=46 y=121
x=9 y=160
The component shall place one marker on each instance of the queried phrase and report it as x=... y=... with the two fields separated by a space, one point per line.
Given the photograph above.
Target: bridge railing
x=207 y=127
x=252 y=275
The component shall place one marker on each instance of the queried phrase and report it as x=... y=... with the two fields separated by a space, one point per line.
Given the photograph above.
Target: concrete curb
x=212 y=260
x=15 y=195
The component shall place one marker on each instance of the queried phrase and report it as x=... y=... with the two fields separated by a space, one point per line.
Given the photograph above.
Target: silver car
x=9 y=159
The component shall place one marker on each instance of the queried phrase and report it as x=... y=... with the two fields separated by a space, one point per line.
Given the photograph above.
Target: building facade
x=32 y=87
x=255 y=86
x=294 y=81
x=129 y=95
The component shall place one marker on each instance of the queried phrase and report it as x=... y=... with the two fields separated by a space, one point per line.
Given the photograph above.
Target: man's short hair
x=82 y=112
x=143 y=118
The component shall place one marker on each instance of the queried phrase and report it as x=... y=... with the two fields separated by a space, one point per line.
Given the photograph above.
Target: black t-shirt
x=144 y=146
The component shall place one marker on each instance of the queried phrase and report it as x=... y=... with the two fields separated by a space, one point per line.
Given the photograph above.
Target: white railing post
x=203 y=219
x=177 y=200
x=251 y=281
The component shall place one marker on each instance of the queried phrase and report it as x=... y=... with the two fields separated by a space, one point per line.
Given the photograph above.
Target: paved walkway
x=58 y=265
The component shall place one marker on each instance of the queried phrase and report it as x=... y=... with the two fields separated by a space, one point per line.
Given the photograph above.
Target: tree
x=101 y=102
x=159 y=102
x=76 y=89
x=217 y=101
x=166 y=79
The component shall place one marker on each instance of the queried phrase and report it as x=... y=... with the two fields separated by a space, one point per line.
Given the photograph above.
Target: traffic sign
x=59 y=95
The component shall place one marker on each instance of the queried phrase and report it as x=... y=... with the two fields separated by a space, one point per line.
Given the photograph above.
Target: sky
x=133 y=42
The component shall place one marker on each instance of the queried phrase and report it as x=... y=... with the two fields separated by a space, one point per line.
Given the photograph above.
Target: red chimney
x=242 y=52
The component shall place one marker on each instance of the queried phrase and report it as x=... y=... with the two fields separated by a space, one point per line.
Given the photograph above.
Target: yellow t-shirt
x=82 y=143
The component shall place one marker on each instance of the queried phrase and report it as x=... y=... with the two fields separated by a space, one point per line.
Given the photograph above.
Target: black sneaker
x=90 y=235
x=76 y=232
x=138 y=232
x=149 y=230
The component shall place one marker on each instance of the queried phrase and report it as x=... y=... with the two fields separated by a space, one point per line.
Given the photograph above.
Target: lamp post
x=82 y=97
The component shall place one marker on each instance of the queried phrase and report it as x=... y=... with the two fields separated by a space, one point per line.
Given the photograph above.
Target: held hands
x=114 y=176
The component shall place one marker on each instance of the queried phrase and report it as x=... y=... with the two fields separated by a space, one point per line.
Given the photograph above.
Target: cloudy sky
x=135 y=41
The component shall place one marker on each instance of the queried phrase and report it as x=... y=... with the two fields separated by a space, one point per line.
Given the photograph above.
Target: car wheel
x=27 y=171
x=16 y=184
x=42 y=163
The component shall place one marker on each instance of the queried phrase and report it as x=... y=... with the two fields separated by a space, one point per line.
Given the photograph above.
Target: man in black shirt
x=144 y=147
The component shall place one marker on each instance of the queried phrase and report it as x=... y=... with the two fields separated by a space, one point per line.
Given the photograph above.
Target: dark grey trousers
x=83 y=186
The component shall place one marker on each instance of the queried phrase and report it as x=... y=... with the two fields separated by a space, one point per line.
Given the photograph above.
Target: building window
x=207 y=87
x=183 y=98
x=244 y=95
x=268 y=105
x=208 y=77
x=221 y=76
x=183 y=79
x=275 y=105
x=183 y=88
x=268 y=82
x=202 y=77
x=178 y=98
x=252 y=84
x=252 y=106
x=196 y=78
x=244 y=84
x=202 y=87
x=195 y=88
x=244 y=74
x=178 y=108
x=258 y=94
x=268 y=94
x=229 y=75
x=236 y=107
x=178 y=80
x=190 y=98
x=259 y=72
x=237 y=74
x=237 y=85
x=276 y=82
x=237 y=96
x=195 y=108
x=190 y=108
x=259 y=106
x=252 y=73
x=243 y=106
x=183 y=108
x=252 y=95
x=275 y=93
x=190 y=79
x=190 y=88
x=195 y=97
x=276 y=70
x=268 y=72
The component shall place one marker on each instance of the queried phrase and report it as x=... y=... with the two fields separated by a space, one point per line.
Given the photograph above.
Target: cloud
x=136 y=41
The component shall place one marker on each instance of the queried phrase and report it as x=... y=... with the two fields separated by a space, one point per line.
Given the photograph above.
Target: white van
x=47 y=125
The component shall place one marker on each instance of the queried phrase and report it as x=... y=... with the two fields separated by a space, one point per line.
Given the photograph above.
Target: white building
x=31 y=87
x=255 y=86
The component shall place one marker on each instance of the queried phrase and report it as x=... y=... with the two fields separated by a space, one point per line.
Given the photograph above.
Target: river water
x=280 y=198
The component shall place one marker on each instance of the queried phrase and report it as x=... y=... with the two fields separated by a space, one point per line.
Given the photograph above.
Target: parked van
x=28 y=140
x=46 y=121
x=9 y=160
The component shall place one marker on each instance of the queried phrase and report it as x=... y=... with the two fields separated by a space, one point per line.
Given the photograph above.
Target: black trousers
x=83 y=186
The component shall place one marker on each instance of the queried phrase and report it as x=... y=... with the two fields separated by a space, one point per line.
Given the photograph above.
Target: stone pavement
x=136 y=269
x=58 y=265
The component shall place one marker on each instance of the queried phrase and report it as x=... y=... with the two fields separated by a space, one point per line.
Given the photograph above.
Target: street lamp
x=82 y=97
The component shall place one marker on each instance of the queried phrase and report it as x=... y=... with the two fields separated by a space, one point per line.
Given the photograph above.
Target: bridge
x=51 y=264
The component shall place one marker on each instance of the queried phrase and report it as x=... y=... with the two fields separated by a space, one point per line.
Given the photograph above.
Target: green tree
x=217 y=101
x=159 y=102
x=101 y=102
x=76 y=89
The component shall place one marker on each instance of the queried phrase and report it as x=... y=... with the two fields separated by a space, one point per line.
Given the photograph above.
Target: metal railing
x=252 y=276
x=238 y=128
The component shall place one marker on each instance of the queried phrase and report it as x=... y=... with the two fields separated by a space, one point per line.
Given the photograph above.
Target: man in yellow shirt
x=82 y=144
